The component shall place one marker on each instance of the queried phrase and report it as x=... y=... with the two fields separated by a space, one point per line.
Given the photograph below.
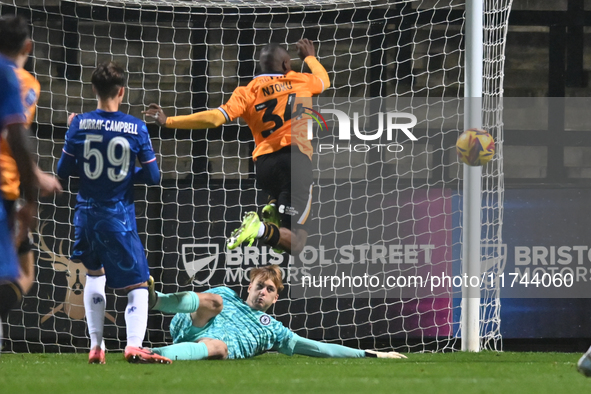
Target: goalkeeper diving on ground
x=217 y=324
x=272 y=105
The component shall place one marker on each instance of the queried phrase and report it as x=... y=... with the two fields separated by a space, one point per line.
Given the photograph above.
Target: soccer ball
x=475 y=147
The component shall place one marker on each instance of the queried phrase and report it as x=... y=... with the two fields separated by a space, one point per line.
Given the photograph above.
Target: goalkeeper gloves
x=374 y=353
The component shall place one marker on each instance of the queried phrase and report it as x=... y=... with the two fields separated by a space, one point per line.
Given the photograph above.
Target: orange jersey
x=30 y=90
x=269 y=103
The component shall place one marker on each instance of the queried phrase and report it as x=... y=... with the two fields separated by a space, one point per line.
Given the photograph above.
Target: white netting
x=189 y=56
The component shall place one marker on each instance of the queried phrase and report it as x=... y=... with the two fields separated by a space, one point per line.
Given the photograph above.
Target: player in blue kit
x=217 y=324
x=12 y=118
x=101 y=148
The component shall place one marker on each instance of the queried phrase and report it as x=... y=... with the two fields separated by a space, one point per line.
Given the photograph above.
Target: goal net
x=396 y=212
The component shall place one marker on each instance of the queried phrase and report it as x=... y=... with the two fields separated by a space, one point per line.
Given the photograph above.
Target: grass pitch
x=485 y=372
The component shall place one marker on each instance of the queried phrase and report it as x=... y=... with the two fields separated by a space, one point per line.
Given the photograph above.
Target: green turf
x=455 y=373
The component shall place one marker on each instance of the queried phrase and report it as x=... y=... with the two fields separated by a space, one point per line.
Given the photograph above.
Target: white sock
x=94 y=305
x=261 y=230
x=136 y=316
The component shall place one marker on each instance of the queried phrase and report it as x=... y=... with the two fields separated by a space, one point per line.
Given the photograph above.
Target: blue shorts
x=9 y=266
x=121 y=254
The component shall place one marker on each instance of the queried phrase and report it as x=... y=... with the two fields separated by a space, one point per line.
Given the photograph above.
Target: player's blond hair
x=268 y=272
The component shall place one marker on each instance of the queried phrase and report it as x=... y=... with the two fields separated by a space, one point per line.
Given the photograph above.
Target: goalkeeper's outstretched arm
x=308 y=347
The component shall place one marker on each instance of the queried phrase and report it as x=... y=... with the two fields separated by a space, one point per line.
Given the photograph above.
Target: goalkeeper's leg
x=206 y=348
x=202 y=306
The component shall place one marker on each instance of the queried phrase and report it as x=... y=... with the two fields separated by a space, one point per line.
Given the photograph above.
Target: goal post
x=388 y=213
x=472 y=190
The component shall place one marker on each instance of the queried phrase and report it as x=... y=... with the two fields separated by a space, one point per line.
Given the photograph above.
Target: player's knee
x=217 y=303
x=217 y=350
x=210 y=304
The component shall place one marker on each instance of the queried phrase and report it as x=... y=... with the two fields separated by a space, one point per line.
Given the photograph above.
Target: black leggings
x=286 y=175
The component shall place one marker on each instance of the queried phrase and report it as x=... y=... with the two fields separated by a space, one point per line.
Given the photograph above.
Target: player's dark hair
x=271 y=58
x=267 y=272
x=14 y=32
x=107 y=79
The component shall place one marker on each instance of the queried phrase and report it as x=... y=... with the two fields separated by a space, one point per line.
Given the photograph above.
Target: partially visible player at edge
x=269 y=104
x=102 y=146
x=12 y=119
x=217 y=324
x=17 y=48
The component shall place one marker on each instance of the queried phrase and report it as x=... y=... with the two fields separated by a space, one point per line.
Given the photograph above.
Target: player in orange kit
x=272 y=105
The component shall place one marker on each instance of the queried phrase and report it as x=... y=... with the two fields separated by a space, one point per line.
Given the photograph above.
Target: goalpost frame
x=472 y=182
x=184 y=57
